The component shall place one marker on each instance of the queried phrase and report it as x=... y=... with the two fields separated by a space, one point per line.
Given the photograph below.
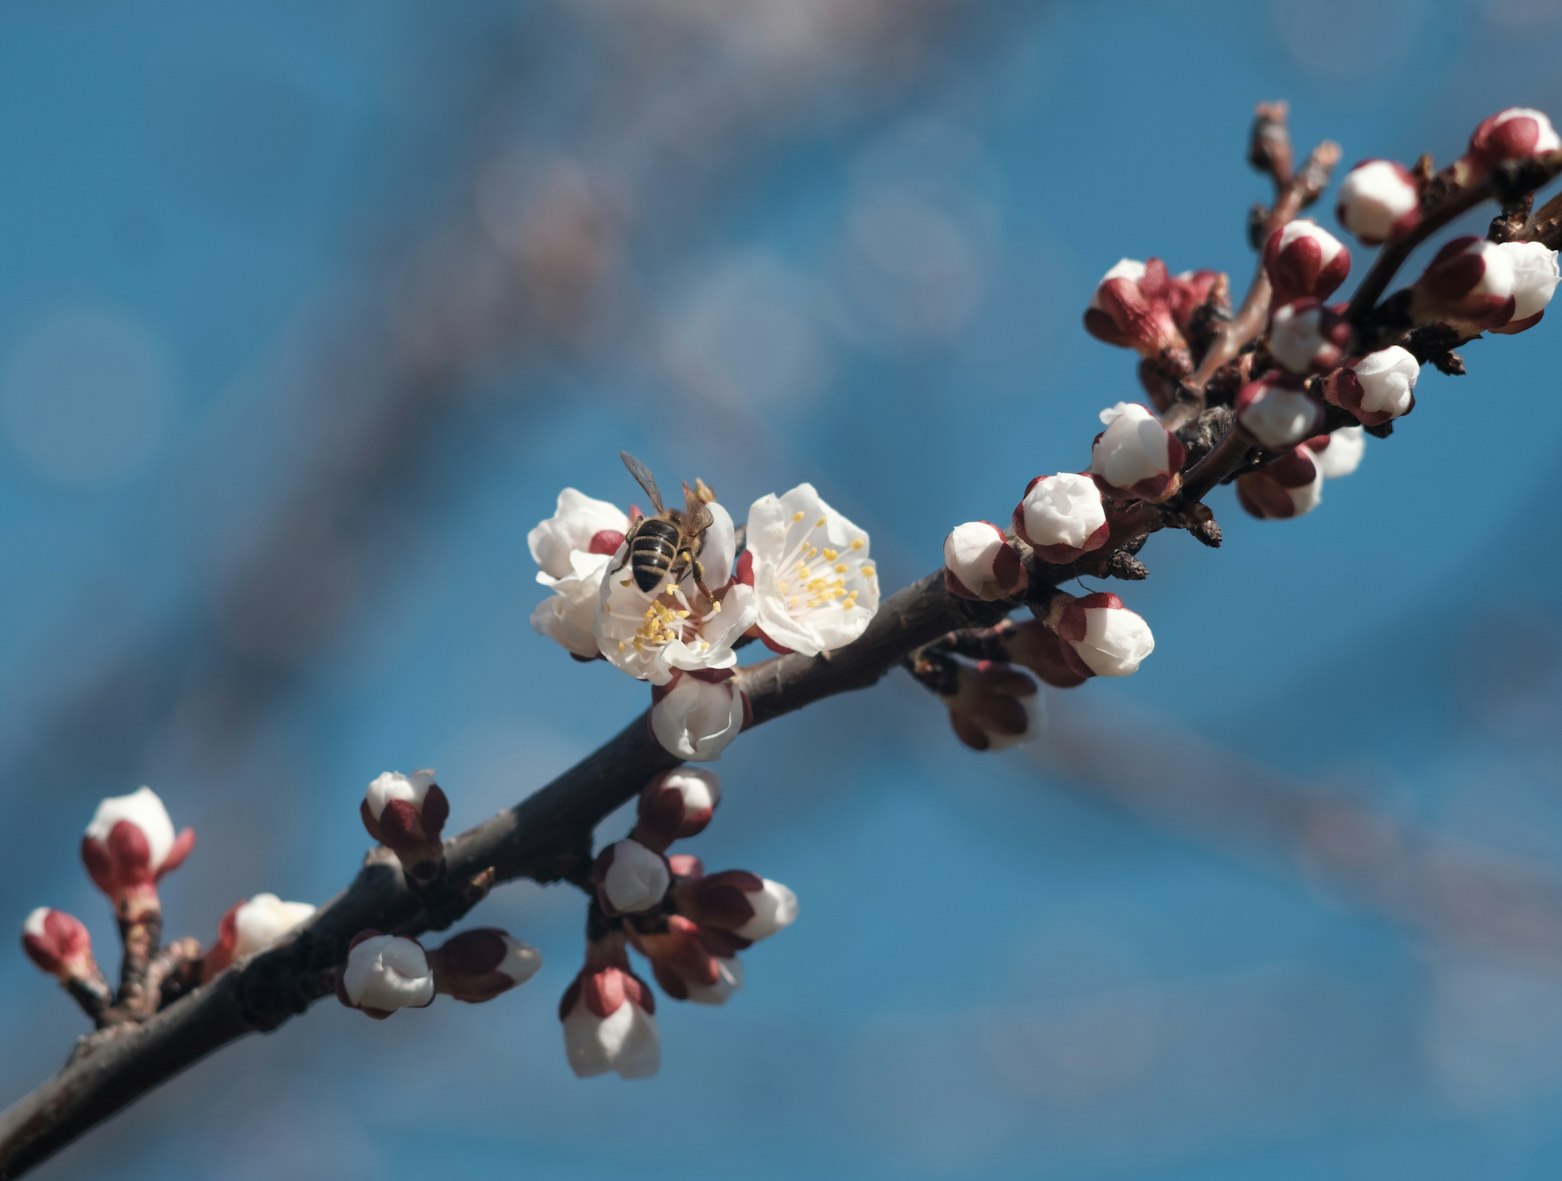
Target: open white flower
x=651 y=637
x=816 y=587
x=576 y=523
x=568 y=616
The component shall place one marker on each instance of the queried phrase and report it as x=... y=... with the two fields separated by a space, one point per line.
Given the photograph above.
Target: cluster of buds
x=689 y=925
x=1141 y=306
x=128 y=847
x=384 y=973
x=803 y=581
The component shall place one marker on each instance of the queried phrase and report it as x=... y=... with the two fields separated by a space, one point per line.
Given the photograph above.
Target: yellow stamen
x=856 y=543
x=797 y=516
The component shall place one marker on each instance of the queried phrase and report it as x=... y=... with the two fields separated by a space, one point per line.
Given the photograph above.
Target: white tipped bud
x=1136 y=454
x=630 y=878
x=385 y=973
x=1379 y=200
x=1376 y=388
x=1278 y=414
x=1062 y=517
x=980 y=563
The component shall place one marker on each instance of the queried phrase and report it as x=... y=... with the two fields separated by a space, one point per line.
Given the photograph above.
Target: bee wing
x=644 y=478
x=697 y=517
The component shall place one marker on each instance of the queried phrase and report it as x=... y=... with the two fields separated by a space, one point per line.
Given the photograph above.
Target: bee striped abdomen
x=652 y=552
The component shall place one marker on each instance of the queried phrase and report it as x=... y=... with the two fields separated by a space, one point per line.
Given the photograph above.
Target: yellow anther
x=867 y=570
x=857 y=543
x=840 y=567
x=819 y=524
x=830 y=555
x=798 y=515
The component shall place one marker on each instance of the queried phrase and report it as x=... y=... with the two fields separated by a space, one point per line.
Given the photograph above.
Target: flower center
x=816 y=576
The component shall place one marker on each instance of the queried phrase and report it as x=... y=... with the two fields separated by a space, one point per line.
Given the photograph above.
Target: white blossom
x=577 y=520
x=1135 y=453
x=264 y=921
x=1341 y=453
x=1378 y=199
x=609 y=1026
x=393 y=785
x=652 y=636
x=1277 y=416
x=695 y=718
x=1106 y=637
x=1061 y=513
x=568 y=616
x=387 y=972
x=1534 y=280
x=630 y=878
x=815 y=584
x=980 y=563
x=143 y=809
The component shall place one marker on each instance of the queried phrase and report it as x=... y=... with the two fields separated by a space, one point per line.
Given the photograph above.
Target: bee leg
x=629 y=540
x=699 y=578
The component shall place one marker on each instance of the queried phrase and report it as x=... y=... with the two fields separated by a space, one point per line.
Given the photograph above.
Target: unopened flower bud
x=994 y=705
x=1377 y=387
x=129 y=845
x=689 y=962
x=59 y=944
x=477 y=965
x=253 y=926
x=1101 y=637
x=980 y=563
x=1289 y=487
x=1339 y=453
x=1513 y=134
x=1277 y=413
x=1136 y=454
x=1307 y=337
x=384 y=973
x=697 y=714
x=1190 y=291
x=743 y=903
x=1470 y=282
x=1132 y=308
x=407 y=814
x=1303 y=260
x=630 y=878
x=686 y=865
x=1379 y=200
x=1061 y=517
x=609 y=1022
x=1031 y=644
x=580 y=524
x=1534 y=283
x=675 y=805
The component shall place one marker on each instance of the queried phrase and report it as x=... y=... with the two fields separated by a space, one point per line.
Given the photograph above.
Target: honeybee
x=666 y=545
